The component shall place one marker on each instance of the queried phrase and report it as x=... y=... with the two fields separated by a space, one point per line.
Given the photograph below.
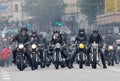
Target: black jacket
x=109 y=40
x=21 y=38
x=58 y=40
x=81 y=38
x=35 y=39
x=98 y=39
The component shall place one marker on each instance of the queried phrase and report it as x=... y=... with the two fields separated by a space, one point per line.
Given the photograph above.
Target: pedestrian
x=5 y=56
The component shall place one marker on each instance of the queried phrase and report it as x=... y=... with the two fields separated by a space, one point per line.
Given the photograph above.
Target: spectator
x=5 y=56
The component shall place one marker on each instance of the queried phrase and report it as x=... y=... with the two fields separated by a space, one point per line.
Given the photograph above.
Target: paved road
x=63 y=74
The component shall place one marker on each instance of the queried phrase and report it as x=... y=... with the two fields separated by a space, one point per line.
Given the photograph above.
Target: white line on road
x=114 y=69
x=5 y=76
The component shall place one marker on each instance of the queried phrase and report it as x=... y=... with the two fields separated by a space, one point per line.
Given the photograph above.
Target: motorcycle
x=117 y=53
x=20 y=56
x=42 y=56
x=110 y=55
x=58 y=59
x=81 y=57
x=94 y=54
x=34 y=55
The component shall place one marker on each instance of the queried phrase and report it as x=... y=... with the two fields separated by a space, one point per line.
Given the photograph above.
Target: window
x=16 y=8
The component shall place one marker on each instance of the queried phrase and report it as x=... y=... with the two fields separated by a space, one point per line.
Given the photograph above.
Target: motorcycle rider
x=81 y=38
x=109 y=40
x=57 y=38
x=22 y=37
x=64 y=37
x=96 y=37
x=34 y=37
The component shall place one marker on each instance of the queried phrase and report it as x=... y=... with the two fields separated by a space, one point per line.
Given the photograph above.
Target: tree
x=91 y=8
x=46 y=11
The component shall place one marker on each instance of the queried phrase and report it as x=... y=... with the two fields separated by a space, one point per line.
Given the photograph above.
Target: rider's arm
x=14 y=38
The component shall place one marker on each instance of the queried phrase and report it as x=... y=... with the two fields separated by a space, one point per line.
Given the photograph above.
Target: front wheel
x=20 y=64
x=81 y=60
x=94 y=62
x=113 y=59
x=35 y=65
x=57 y=60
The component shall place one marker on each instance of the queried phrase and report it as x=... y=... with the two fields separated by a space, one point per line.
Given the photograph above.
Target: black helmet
x=23 y=29
x=82 y=30
x=95 y=31
x=56 y=31
x=34 y=32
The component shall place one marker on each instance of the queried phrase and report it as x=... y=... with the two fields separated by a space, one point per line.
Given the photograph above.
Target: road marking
x=5 y=76
x=114 y=69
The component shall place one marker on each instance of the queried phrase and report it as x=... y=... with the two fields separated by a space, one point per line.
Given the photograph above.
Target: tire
x=117 y=57
x=108 y=59
x=94 y=63
x=35 y=66
x=63 y=64
x=81 y=60
x=57 y=60
x=48 y=62
x=20 y=63
x=112 y=60
x=42 y=63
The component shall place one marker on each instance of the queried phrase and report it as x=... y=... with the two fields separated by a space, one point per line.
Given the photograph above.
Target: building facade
x=11 y=8
x=73 y=16
x=110 y=20
x=71 y=6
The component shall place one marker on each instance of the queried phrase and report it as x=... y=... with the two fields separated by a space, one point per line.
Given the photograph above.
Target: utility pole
x=11 y=8
x=22 y=8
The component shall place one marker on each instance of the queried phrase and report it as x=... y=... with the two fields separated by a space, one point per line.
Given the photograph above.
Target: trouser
x=102 y=55
x=65 y=54
x=74 y=53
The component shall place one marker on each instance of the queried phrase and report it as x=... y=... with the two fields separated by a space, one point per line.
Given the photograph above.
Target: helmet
x=95 y=31
x=56 y=31
x=34 y=32
x=23 y=29
x=82 y=30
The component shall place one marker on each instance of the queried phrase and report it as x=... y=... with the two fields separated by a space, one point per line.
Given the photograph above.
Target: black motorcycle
x=20 y=57
x=81 y=56
x=34 y=55
x=59 y=60
x=42 y=55
x=110 y=55
x=117 y=54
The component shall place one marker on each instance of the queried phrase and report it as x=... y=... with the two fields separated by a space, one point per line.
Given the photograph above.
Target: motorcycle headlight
x=110 y=47
x=33 y=46
x=95 y=45
x=21 y=46
x=57 y=45
x=81 y=46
